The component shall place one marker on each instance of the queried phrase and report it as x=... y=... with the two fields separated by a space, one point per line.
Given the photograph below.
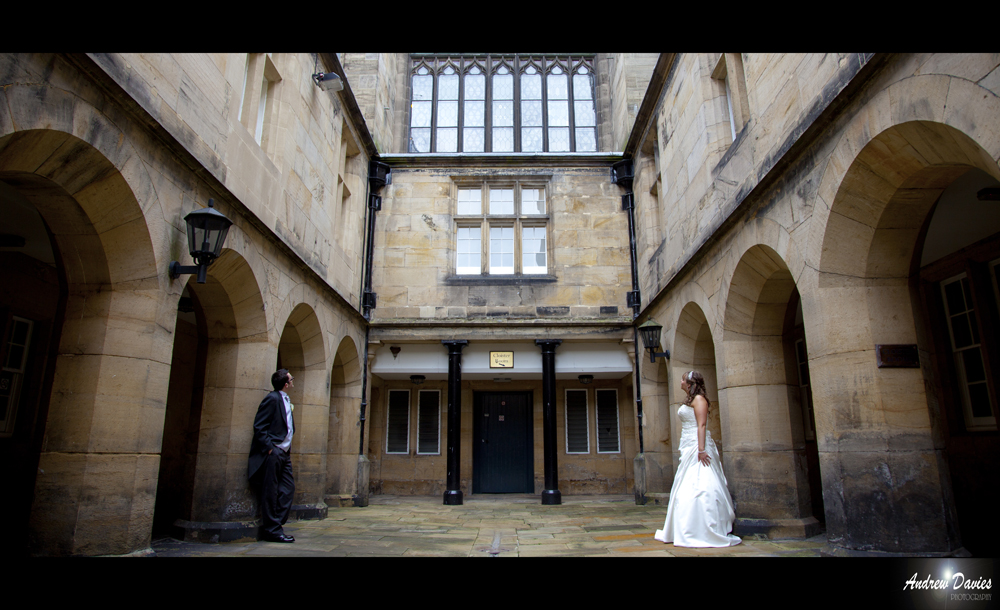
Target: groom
x=270 y=466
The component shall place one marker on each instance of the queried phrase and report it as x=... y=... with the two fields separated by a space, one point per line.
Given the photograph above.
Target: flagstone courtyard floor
x=486 y=526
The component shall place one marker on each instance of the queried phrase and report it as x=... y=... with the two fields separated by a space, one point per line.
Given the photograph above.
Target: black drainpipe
x=379 y=175
x=622 y=174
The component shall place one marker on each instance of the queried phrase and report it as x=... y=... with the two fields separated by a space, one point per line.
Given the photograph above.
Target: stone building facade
x=816 y=233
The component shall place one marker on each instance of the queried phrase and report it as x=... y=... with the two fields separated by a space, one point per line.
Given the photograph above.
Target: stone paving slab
x=486 y=526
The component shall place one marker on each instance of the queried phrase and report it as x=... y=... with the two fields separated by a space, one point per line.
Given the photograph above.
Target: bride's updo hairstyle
x=696 y=387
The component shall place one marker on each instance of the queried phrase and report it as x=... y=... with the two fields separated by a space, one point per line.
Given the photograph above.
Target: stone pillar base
x=639 y=473
x=215 y=531
x=340 y=500
x=777 y=529
x=658 y=499
x=364 y=469
x=308 y=512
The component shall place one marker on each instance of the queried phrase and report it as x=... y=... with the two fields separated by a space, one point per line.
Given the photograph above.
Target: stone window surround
x=485 y=221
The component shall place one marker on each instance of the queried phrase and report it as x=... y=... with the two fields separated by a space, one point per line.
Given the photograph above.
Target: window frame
x=14 y=375
x=618 y=421
x=485 y=221
x=566 y=417
x=972 y=422
x=420 y=415
x=388 y=421
x=489 y=66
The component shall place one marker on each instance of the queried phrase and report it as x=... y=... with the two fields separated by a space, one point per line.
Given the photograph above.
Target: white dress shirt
x=285 y=444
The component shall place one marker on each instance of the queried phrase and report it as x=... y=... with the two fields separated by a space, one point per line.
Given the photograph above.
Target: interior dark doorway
x=503 y=443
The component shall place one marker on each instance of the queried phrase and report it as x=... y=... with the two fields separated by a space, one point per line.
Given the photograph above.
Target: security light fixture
x=650 y=331
x=585 y=379
x=395 y=349
x=328 y=81
x=206 y=230
x=417 y=379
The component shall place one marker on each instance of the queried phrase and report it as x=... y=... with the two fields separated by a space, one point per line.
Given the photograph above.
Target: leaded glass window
x=501 y=103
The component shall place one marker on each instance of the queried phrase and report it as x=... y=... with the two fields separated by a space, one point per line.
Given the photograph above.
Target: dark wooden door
x=502 y=447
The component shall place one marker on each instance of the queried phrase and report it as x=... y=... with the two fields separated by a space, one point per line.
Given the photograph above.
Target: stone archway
x=767 y=470
x=694 y=349
x=886 y=478
x=302 y=352
x=343 y=435
x=238 y=357
x=103 y=408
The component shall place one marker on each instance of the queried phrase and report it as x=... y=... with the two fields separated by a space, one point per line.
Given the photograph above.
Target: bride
x=700 y=512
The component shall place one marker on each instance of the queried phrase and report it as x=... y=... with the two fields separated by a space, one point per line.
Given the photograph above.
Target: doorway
x=503 y=443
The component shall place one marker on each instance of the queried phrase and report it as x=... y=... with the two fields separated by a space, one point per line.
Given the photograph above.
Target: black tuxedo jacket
x=269 y=430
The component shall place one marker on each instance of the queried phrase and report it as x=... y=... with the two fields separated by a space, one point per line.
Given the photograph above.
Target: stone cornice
x=431 y=160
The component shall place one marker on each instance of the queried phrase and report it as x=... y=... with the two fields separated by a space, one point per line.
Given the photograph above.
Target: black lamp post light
x=206 y=230
x=650 y=331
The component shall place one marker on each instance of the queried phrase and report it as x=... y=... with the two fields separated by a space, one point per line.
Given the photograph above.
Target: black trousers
x=277 y=487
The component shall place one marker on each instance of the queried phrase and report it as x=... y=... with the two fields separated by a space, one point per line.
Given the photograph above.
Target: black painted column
x=550 y=495
x=453 y=492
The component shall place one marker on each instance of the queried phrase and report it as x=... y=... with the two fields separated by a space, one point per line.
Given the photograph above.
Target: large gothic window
x=502 y=104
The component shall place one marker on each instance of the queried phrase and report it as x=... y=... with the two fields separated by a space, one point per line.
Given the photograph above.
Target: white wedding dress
x=700 y=512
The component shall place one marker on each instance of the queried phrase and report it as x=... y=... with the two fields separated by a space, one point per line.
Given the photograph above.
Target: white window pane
x=531 y=87
x=532 y=201
x=447 y=114
x=502 y=250
x=503 y=86
x=475 y=87
x=447 y=140
x=533 y=253
x=470 y=202
x=583 y=114
x=557 y=87
x=474 y=114
x=469 y=259
x=421 y=116
x=531 y=114
x=473 y=139
x=531 y=139
x=501 y=201
x=420 y=140
x=503 y=114
x=448 y=87
x=585 y=140
x=558 y=139
x=582 y=87
x=503 y=139
x=558 y=113
x=423 y=88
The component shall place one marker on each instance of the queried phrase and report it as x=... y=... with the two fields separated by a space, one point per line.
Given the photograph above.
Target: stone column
x=453 y=491
x=550 y=495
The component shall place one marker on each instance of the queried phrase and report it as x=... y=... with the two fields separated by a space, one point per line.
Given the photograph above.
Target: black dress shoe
x=279 y=538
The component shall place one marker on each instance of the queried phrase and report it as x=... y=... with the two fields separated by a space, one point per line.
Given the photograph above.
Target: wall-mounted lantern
x=417 y=379
x=585 y=379
x=206 y=231
x=650 y=331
